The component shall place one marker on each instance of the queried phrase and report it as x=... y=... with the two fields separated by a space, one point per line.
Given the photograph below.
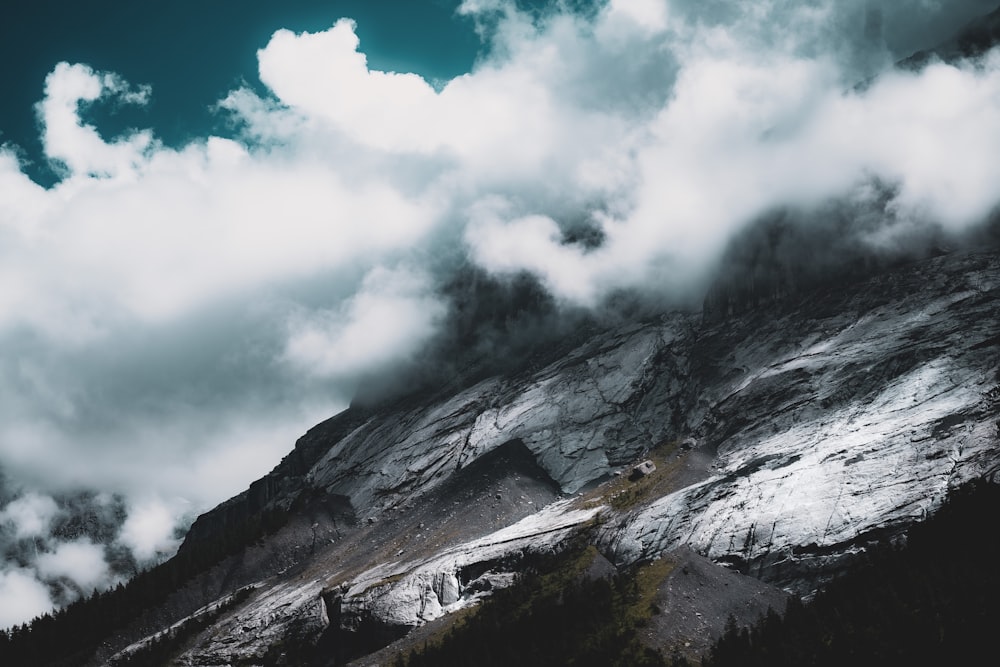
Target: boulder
x=643 y=469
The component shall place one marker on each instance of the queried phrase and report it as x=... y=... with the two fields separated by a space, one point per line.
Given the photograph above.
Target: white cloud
x=387 y=321
x=171 y=318
x=929 y=132
x=78 y=145
x=52 y=555
x=31 y=515
x=81 y=561
x=745 y=132
x=324 y=76
x=530 y=243
x=22 y=597
x=149 y=529
x=649 y=14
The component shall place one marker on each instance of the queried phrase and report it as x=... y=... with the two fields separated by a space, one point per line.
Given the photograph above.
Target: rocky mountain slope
x=785 y=439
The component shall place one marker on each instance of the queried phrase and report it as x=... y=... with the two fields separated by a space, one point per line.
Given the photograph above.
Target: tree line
x=72 y=635
x=927 y=600
x=931 y=600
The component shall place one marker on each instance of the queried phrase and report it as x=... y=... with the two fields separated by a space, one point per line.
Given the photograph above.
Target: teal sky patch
x=194 y=51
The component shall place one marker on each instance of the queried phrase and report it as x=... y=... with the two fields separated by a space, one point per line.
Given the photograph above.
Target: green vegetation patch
x=624 y=493
x=555 y=615
x=648 y=579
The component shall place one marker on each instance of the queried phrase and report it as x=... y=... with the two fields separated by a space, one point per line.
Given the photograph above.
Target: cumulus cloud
x=30 y=515
x=80 y=561
x=172 y=317
x=390 y=318
x=22 y=597
x=77 y=145
x=149 y=530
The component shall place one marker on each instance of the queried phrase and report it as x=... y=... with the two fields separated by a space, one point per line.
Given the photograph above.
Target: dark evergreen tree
x=926 y=601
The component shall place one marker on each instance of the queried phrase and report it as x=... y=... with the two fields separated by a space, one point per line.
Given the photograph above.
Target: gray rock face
x=411 y=593
x=580 y=416
x=827 y=421
x=845 y=417
x=298 y=610
x=283 y=613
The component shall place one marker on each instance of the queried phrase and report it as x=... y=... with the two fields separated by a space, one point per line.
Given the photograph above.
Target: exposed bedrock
x=819 y=423
x=847 y=416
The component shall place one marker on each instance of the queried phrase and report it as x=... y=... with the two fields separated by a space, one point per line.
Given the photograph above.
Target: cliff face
x=786 y=438
x=845 y=415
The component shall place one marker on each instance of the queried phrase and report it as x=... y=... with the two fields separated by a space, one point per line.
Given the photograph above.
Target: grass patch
x=648 y=578
x=623 y=493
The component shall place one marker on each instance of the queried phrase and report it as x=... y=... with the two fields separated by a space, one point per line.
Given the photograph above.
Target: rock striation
x=848 y=415
x=823 y=422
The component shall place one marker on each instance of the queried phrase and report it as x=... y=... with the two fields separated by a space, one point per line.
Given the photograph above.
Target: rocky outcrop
x=411 y=593
x=379 y=604
x=818 y=424
x=280 y=489
x=283 y=614
x=592 y=410
x=581 y=416
x=847 y=416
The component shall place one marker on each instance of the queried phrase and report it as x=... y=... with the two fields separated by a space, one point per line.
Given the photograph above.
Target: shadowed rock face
x=697 y=599
x=819 y=423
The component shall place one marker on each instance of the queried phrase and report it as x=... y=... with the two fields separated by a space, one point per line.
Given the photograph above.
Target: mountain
x=784 y=437
x=826 y=398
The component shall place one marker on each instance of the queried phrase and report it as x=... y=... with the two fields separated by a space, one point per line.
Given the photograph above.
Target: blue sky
x=252 y=211
x=193 y=52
